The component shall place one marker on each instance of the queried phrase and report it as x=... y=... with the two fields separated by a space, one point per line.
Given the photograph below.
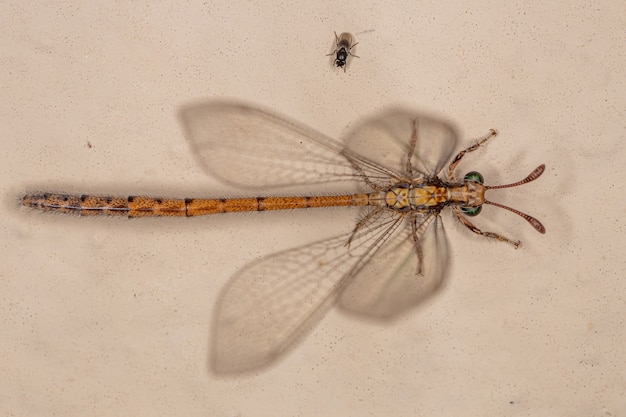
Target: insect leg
x=366 y=219
x=412 y=143
x=418 y=246
x=350 y=49
x=459 y=215
x=461 y=154
x=336 y=44
x=359 y=170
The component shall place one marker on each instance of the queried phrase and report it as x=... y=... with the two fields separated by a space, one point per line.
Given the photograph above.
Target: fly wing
x=271 y=303
x=389 y=285
x=248 y=147
x=385 y=140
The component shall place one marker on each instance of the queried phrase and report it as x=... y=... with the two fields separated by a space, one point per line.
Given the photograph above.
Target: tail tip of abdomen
x=33 y=200
x=50 y=201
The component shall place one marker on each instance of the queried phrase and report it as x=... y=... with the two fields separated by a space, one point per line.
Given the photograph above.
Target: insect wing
x=385 y=141
x=269 y=304
x=251 y=148
x=389 y=284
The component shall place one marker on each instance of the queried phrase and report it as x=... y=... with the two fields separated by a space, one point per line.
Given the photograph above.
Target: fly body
x=343 y=47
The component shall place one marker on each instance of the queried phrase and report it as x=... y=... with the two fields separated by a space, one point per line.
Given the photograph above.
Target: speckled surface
x=112 y=316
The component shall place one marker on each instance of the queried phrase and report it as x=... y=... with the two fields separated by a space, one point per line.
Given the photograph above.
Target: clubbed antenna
x=531 y=177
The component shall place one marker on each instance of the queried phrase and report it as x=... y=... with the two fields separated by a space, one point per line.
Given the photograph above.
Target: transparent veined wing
x=249 y=147
x=389 y=285
x=271 y=303
x=384 y=141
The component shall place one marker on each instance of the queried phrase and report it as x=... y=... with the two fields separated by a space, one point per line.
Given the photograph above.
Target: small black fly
x=344 y=44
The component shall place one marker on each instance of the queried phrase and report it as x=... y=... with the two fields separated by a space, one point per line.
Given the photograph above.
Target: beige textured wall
x=112 y=317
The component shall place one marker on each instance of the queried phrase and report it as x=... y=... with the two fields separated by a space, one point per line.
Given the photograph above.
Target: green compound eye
x=471 y=211
x=475 y=177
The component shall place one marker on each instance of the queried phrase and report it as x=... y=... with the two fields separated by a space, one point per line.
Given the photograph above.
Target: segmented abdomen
x=89 y=205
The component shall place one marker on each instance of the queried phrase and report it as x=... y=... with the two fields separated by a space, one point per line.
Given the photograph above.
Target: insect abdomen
x=89 y=205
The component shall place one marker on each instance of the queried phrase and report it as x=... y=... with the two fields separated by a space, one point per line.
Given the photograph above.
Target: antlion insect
x=343 y=46
x=395 y=255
